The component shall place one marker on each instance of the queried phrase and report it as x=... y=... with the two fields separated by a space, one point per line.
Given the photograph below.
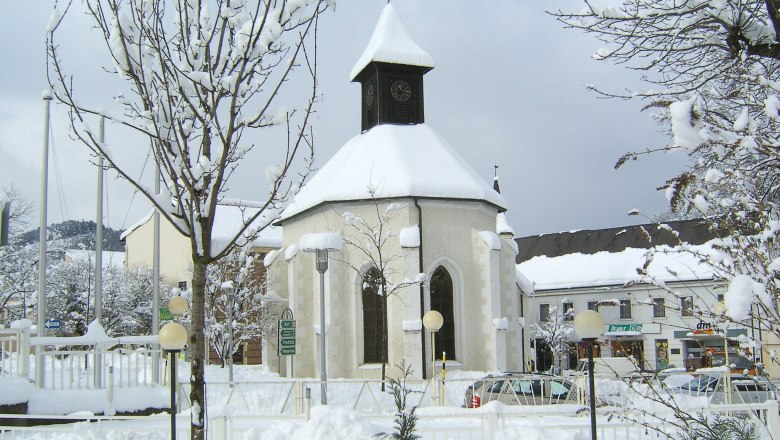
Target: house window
x=568 y=311
x=686 y=306
x=441 y=300
x=544 y=312
x=372 y=318
x=182 y=285
x=659 y=308
x=593 y=305
x=625 y=309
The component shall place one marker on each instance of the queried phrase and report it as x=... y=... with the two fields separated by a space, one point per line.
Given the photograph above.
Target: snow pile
x=410 y=237
x=326 y=423
x=331 y=241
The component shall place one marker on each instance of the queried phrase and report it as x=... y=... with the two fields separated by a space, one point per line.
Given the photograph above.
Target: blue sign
x=53 y=324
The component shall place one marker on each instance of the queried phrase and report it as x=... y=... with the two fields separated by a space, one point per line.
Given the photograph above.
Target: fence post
x=492 y=425
x=23 y=352
x=772 y=417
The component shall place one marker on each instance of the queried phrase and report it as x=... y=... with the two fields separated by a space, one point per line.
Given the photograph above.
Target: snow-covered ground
x=258 y=406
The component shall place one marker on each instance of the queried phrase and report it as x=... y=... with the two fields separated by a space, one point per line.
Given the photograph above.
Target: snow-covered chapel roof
x=390 y=43
x=394 y=161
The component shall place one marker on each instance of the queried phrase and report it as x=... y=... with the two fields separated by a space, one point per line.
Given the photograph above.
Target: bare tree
x=251 y=319
x=375 y=260
x=557 y=332
x=197 y=75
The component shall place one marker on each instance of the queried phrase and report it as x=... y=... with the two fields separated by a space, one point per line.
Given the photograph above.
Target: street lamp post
x=720 y=310
x=432 y=321
x=322 y=267
x=589 y=325
x=321 y=243
x=173 y=338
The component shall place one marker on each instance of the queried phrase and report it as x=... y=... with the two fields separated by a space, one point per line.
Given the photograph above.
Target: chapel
x=402 y=203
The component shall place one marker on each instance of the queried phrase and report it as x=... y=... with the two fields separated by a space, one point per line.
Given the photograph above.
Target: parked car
x=744 y=389
x=521 y=389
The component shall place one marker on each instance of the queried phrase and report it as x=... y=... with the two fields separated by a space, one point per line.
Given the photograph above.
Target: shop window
x=625 y=309
x=686 y=306
x=544 y=312
x=659 y=308
x=568 y=311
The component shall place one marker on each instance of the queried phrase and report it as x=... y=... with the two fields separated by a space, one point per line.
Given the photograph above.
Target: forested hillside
x=78 y=234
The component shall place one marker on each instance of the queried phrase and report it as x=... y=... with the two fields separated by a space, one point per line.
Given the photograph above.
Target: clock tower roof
x=391 y=44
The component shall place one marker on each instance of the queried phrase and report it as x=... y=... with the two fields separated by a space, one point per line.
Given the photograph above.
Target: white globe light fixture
x=589 y=325
x=173 y=338
x=432 y=321
x=178 y=305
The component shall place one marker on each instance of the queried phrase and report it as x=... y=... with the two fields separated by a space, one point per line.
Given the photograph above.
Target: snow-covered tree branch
x=712 y=68
x=197 y=75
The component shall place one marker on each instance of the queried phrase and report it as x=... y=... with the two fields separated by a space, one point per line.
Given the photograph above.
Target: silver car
x=744 y=389
x=521 y=389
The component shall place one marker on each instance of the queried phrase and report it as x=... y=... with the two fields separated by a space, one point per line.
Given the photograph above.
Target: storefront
x=628 y=339
x=704 y=347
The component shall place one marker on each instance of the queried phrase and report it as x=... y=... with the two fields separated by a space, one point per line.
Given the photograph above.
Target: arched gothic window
x=442 y=301
x=372 y=318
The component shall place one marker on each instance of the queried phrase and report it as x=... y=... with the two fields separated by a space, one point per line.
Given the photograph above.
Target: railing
x=464 y=424
x=14 y=352
x=120 y=367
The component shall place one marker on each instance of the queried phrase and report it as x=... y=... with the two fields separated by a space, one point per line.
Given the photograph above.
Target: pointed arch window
x=372 y=317
x=442 y=301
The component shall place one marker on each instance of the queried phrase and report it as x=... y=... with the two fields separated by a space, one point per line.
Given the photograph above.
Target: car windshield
x=737 y=361
x=702 y=382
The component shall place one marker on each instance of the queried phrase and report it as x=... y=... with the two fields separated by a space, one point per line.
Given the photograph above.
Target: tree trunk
x=197 y=349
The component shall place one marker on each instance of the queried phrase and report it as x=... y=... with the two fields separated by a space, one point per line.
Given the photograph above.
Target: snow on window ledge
x=413 y=325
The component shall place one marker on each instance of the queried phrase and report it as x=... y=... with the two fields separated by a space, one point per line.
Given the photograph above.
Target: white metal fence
x=465 y=425
x=14 y=344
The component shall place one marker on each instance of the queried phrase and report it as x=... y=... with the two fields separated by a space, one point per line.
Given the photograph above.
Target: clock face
x=369 y=94
x=401 y=90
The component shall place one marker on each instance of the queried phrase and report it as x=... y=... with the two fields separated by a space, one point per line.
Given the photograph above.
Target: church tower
x=390 y=73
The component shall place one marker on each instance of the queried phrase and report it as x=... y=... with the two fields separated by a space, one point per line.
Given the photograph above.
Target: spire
x=495 y=179
x=390 y=43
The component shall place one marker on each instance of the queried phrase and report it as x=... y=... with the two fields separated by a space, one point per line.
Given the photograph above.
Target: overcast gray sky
x=508 y=89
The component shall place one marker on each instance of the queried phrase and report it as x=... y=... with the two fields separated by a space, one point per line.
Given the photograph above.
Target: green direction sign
x=165 y=314
x=286 y=337
x=287 y=342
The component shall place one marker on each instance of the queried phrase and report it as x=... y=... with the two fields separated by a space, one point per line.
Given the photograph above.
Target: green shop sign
x=617 y=328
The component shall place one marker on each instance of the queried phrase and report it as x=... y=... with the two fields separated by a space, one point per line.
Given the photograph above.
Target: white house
x=447 y=226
